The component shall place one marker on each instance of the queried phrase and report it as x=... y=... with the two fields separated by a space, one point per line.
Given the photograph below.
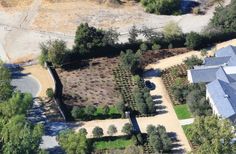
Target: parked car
x=149 y=85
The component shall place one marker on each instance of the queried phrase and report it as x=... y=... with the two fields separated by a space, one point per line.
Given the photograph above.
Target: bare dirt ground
x=24 y=26
x=90 y=83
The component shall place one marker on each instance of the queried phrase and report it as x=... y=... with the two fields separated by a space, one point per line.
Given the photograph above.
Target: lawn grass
x=115 y=144
x=182 y=111
x=185 y=128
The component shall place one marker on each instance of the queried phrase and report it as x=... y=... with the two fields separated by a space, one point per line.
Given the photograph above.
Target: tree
x=53 y=51
x=133 y=34
x=88 y=38
x=156 y=46
x=130 y=61
x=198 y=104
x=16 y=105
x=192 y=61
x=90 y=110
x=171 y=30
x=106 y=109
x=78 y=112
x=50 y=93
x=194 y=40
x=150 y=129
x=120 y=106
x=97 y=132
x=224 y=17
x=83 y=131
x=112 y=130
x=166 y=7
x=5 y=83
x=127 y=129
x=18 y=136
x=212 y=135
x=158 y=138
x=72 y=142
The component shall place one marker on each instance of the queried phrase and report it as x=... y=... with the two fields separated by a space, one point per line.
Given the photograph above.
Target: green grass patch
x=182 y=111
x=115 y=144
x=185 y=128
x=112 y=111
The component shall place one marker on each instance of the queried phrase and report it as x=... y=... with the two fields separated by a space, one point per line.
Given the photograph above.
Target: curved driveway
x=26 y=84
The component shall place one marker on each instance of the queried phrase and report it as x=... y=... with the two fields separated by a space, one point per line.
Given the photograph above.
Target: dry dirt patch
x=92 y=83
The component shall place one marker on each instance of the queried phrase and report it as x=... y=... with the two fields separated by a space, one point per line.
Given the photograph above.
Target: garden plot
x=92 y=83
x=176 y=75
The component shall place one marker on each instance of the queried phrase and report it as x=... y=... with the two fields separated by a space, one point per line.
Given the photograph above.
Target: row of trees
x=158 y=138
x=142 y=97
x=88 y=112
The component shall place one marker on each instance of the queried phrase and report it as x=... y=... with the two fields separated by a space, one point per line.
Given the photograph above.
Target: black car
x=149 y=85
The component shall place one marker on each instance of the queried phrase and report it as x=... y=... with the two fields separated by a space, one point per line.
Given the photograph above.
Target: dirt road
x=23 y=29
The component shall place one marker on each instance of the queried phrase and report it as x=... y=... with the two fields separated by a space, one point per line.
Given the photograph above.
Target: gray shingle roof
x=223 y=96
x=212 y=61
x=203 y=75
x=226 y=51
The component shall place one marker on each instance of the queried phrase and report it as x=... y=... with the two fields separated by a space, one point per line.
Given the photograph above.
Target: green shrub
x=161 y=6
x=143 y=47
x=50 y=93
x=194 y=40
x=156 y=46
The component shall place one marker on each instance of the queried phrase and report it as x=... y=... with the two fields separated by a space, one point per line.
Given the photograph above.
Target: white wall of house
x=190 y=78
x=211 y=102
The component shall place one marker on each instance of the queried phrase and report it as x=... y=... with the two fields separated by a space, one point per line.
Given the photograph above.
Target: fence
x=58 y=91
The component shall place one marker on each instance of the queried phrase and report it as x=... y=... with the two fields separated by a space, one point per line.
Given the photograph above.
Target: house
x=219 y=74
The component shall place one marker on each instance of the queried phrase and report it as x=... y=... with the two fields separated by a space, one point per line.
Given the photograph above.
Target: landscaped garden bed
x=90 y=82
x=156 y=55
x=175 y=75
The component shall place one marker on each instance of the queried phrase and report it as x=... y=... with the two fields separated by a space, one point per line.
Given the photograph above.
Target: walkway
x=186 y=121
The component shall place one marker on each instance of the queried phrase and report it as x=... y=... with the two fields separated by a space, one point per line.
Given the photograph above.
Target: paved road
x=25 y=83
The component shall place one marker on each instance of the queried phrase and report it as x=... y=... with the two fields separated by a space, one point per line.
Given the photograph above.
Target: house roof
x=223 y=95
x=203 y=75
x=226 y=51
x=213 y=61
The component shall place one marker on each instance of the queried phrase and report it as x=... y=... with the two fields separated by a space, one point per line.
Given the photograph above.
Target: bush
x=172 y=30
x=78 y=112
x=50 y=93
x=166 y=7
x=112 y=130
x=97 y=132
x=192 y=61
x=127 y=129
x=143 y=47
x=194 y=40
x=156 y=46
x=83 y=131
